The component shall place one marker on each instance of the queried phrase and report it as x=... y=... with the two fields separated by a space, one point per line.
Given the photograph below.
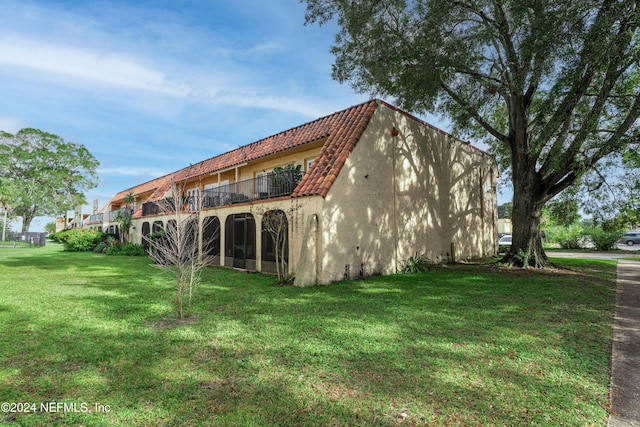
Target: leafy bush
x=113 y=250
x=79 y=239
x=100 y=248
x=416 y=264
x=567 y=237
x=603 y=240
x=56 y=237
x=130 y=249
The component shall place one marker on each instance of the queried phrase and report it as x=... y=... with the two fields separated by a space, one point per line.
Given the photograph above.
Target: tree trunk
x=529 y=192
x=26 y=223
x=528 y=200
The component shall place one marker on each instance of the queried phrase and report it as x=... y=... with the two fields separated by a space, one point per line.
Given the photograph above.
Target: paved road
x=593 y=255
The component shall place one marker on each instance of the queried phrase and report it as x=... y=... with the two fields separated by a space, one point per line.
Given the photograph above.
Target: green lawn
x=463 y=345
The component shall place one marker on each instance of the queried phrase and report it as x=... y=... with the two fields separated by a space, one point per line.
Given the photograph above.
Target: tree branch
x=473 y=113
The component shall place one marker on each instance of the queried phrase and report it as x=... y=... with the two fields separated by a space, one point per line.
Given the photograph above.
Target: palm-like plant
x=124 y=217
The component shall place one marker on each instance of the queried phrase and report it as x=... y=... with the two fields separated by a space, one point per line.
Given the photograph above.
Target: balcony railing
x=96 y=219
x=151 y=208
x=267 y=186
x=123 y=213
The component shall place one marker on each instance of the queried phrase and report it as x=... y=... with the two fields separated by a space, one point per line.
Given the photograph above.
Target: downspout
x=482 y=214
x=394 y=134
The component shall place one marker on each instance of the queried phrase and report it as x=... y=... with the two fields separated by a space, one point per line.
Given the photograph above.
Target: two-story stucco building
x=363 y=189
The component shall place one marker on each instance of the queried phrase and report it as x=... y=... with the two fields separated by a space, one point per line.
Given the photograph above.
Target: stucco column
x=258 y=219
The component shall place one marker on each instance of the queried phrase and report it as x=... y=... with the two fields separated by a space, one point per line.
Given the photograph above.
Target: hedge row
x=85 y=240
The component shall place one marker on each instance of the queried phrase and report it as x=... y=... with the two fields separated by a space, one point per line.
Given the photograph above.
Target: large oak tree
x=553 y=83
x=42 y=174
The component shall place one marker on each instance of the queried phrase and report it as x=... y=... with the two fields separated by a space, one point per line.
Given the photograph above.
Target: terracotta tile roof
x=342 y=131
x=139 y=189
x=145 y=188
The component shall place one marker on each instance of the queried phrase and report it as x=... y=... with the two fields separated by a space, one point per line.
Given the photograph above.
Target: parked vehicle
x=505 y=240
x=631 y=238
x=504 y=243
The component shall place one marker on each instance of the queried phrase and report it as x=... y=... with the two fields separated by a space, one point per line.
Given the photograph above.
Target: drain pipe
x=394 y=134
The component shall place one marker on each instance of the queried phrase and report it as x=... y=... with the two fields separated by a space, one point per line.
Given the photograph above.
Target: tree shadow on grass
x=433 y=347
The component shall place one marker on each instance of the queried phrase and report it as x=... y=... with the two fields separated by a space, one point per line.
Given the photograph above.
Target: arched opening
x=146 y=230
x=157 y=226
x=240 y=241
x=113 y=229
x=211 y=240
x=275 y=243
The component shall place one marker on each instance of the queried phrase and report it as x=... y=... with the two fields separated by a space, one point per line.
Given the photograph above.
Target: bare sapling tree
x=275 y=223
x=175 y=250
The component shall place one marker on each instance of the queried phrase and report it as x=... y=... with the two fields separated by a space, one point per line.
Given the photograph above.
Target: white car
x=505 y=240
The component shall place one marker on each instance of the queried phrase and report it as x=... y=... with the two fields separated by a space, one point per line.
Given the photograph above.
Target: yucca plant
x=416 y=264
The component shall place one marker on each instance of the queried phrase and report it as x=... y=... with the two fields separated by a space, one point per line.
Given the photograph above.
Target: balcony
x=123 y=212
x=267 y=186
x=95 y=219
x=152 y=208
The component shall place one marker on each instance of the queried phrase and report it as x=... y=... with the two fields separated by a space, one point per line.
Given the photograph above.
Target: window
x=309 y=163
x=194 y=199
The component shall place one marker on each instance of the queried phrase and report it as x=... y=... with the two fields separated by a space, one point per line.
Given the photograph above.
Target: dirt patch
x=584 y=274
x=174 y=322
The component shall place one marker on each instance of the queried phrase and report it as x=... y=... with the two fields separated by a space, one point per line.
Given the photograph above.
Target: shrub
x=133 y=249
x=130 y=249
x=567 y=238
x=113 y=250
x=416 y=264
x=79 y=239
x=100 y=248
x=56 y=237
x=603 y=240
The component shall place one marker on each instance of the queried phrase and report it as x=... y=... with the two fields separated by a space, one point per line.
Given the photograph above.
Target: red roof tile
x=342 y=131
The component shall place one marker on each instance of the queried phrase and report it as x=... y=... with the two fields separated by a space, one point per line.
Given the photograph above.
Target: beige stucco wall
x=298 y=212
x=298 y=156
x=417 y=192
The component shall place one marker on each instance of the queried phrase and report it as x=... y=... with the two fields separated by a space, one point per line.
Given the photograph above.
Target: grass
x=462 y=345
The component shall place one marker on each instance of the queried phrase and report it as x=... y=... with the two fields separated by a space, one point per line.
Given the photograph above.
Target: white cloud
x=123 y=71
x=11 y=124
x=105 y=68
x=132 y=171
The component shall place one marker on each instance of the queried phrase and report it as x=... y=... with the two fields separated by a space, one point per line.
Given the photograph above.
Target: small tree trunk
x=26 y=222
x=284 y=268
x=180 y=288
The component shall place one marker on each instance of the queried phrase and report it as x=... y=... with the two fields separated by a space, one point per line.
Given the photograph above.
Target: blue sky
x=152 y=86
